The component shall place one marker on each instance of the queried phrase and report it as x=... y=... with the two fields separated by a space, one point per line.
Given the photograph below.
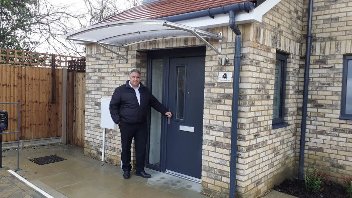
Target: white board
x=105 y=118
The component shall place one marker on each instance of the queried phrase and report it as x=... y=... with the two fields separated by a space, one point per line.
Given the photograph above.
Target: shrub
x=349 y=188
x=312 y=180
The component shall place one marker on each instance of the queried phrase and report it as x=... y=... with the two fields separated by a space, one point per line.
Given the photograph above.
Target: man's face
x=135 y=79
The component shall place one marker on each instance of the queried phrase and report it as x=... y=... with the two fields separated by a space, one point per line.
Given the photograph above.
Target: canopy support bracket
x=197 y=33
x=112 y=51
x=206 y=43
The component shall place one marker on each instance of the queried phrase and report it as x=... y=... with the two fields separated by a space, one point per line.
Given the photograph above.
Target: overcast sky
x=79 y=6
x=76 y=7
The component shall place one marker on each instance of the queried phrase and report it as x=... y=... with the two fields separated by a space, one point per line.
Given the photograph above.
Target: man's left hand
x=168 y=114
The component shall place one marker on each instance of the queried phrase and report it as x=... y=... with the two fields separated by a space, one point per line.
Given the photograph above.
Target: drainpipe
x=305 y=92
x=235 y=98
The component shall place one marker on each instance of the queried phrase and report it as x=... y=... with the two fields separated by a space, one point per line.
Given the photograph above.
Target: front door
x=185 y=129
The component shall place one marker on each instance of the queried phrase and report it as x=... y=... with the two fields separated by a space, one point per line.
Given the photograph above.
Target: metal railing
x=17 y=132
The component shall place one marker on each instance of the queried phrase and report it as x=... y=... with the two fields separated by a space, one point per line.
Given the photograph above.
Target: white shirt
x=138 y=95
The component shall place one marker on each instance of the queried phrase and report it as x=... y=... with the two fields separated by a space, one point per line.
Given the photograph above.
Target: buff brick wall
x=105 y=71
x=329 y=139
x=272 y=150
x=266 y=156
x=269 y=154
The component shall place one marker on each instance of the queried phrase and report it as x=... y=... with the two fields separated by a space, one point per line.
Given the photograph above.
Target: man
x=129 y=107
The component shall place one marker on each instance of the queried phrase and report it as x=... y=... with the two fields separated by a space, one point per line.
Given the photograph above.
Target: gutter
x=305 y=92
x=244 y=6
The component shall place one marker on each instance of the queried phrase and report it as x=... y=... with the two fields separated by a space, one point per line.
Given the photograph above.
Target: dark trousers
x=137 y=131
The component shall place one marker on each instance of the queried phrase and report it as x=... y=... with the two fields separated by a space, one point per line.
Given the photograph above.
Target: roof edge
x=255 y=15
x=241 y=6
x=258 y=13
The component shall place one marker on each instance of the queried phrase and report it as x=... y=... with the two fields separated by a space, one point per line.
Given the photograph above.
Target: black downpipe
x=235 y=98
x=305 y=92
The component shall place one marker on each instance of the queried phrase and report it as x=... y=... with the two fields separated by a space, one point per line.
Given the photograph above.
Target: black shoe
x=126 y=174
x=143 y=174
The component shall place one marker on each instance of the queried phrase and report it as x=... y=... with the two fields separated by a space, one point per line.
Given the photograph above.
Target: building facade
x=187 y=76
x=329 y=124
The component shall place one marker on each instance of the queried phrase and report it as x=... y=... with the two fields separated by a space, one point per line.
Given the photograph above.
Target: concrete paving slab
x=11 y=187
x=277 y=194
x=82 y=177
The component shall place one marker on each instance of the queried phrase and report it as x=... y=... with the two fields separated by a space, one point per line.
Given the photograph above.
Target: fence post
x=64 y=106
x=53 y=80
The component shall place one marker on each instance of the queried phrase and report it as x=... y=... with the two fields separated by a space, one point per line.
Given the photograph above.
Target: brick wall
x=267 y=156
x=105 y=71
x=217 y=121
x=329 y=139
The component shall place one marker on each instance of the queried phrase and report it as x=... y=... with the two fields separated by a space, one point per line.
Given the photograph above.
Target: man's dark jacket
x=124 y=105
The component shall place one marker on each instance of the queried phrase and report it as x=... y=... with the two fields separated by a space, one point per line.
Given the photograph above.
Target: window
x=279 y=91
x=157 y=69
x=346 y=101
x=181 y=82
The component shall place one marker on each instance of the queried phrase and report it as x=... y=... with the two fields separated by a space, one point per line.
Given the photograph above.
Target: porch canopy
x=124 y=33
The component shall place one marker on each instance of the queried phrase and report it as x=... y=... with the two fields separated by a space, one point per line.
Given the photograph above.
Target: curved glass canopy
x=125 y=33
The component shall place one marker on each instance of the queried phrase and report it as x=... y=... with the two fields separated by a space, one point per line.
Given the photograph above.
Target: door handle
x=169 y=118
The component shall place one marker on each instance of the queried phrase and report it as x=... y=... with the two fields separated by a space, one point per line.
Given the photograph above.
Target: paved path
x=11 y=187
x=276 y=194
x=79 y=176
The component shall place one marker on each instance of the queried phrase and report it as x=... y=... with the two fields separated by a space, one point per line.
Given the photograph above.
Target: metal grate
x=186 y=177
x=47 y=159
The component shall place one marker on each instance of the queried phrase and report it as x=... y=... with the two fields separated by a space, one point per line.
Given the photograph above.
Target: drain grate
x=47 y=159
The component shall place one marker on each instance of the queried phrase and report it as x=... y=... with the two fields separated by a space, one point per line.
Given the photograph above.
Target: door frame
x=166 y=55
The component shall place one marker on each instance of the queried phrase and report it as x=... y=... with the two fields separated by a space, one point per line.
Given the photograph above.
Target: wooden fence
x=75 y=107
x=31 y=86
x=40 y=82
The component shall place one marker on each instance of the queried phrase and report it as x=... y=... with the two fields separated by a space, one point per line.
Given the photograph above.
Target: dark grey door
x=186 y=98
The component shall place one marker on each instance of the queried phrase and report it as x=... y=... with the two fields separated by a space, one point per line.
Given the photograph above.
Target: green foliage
x=313 y=180
x=17 y=17
x=349 y=189
x=33 y=25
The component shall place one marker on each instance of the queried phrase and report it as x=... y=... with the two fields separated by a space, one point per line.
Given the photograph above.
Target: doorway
x=176 y=77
